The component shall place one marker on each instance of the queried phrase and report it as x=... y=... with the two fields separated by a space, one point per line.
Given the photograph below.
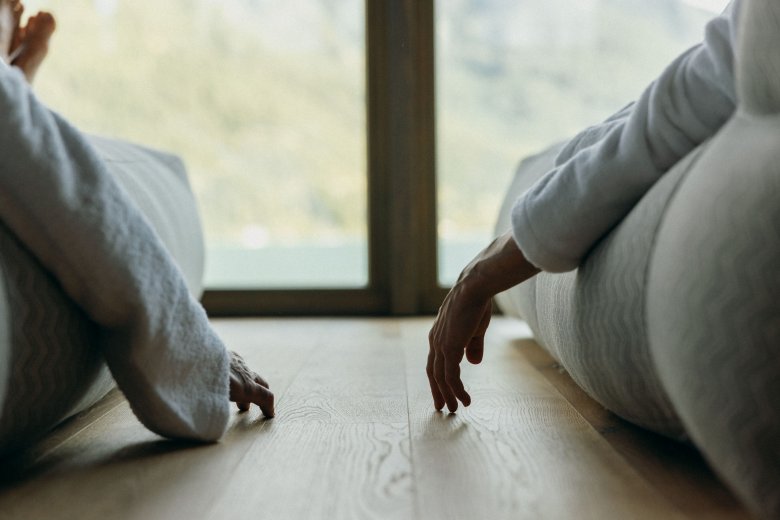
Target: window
x=514 y=77
x=314 y=131
x=265 y=100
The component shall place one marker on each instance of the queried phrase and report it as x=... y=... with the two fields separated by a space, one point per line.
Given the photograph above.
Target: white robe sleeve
x=602 y=173
x=58 y=198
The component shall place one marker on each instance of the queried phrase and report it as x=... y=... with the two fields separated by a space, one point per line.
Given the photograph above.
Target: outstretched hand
x=464 y=316
x=246 y=387
x=459 y=328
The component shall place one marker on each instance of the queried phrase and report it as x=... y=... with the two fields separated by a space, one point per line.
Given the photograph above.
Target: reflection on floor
x=356 y=437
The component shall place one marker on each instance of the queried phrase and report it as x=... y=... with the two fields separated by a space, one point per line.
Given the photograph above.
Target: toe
x=46 y=23
x=41 y=26
x=18 y=29
x=32 y=42
x=18 y=9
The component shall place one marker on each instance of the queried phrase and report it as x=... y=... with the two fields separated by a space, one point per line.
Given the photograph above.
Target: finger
x=440 y=372
x=263 y=398
x=476 y=347
x=262 y=382
x=243 y=407
x=475 y=350
x=454 y=382
x=438 y=400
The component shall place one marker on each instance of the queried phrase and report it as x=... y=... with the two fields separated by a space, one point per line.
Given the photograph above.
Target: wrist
x=499 y=267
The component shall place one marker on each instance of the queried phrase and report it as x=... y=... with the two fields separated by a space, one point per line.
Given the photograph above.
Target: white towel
x=58 y=198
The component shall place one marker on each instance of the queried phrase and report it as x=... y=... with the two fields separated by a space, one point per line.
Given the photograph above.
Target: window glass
x=264 y=100
x=515 y=76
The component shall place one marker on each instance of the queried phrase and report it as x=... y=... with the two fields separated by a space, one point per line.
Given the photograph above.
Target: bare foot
x=10 y=14
x=31 y=43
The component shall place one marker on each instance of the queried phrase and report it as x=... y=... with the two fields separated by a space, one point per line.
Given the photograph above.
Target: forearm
x=563 y=215
x=497 y=268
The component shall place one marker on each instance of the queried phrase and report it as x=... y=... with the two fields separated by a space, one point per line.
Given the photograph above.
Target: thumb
x=475 y=349
x=476 y=346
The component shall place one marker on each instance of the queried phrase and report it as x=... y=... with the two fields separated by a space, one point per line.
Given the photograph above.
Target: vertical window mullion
x=401 y=153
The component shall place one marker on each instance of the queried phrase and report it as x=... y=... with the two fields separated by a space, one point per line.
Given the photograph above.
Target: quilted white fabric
x=592 y=320
x=713 y=311
x=672 y=320
x=50 y=360
x=69 y=227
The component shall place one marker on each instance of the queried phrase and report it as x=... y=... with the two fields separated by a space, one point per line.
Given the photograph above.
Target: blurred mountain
x=265 y=100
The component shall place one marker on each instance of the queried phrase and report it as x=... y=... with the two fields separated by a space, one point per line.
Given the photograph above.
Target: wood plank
x=676 y=470
x=339 y=446
x=356 y=437
x=322 y=470
x=118 y=469
x=520 y=451
x=27 y=460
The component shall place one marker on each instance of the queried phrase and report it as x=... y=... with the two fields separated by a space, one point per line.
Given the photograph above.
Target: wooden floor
x=356 y=437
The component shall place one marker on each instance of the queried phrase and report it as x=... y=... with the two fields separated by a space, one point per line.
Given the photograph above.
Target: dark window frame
x=401 y=169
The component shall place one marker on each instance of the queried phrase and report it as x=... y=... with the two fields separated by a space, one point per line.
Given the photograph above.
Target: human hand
x=246 y=387
x=464 y=316
x=459 y=328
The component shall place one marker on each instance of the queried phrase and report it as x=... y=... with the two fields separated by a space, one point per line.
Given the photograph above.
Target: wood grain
x=118 y=469
x=519 y=451
x=356 y=437
x=339 y=446
x=676 y=470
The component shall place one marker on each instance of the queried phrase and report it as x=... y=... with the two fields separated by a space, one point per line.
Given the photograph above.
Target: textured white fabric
x=54 y=362
x=157 y=184
x=758 y=67
x=58 y=199
x=521 y=300
x=50 y=355
x=713 y=312
x=609 y=167
x=712 y=307
x=672 y=318
x=592 y=320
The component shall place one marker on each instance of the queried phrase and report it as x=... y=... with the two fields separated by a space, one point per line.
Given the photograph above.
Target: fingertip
x=438 y=399
x=266 y=402
x=475 y=350
x=463 y=396
x=49 y=20
x=475 y=358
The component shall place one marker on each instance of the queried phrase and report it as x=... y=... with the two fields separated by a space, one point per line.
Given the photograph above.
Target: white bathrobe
x=603 y=172
x=59 y=200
